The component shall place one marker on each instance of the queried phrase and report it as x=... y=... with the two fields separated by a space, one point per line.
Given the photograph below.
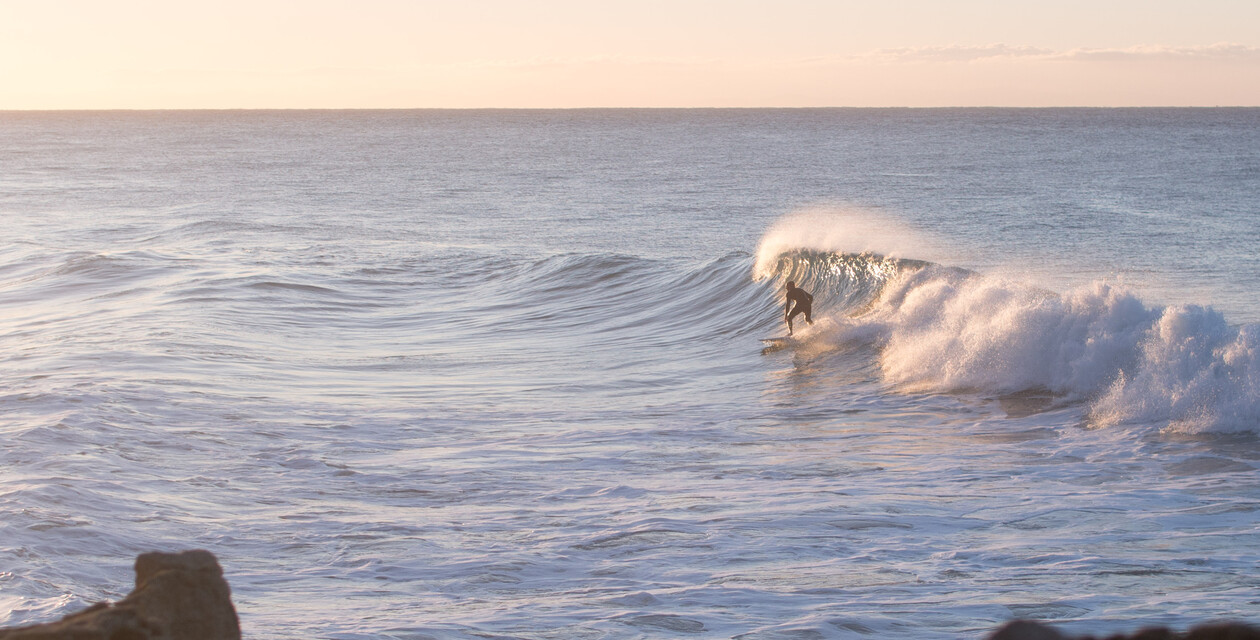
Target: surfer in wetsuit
x=804 y=304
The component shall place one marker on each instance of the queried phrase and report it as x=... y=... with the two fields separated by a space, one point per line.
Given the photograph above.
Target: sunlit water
x=470 y=374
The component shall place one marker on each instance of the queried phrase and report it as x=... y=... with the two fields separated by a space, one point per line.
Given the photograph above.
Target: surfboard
x=775 y=344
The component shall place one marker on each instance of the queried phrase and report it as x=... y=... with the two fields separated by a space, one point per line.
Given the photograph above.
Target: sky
x=151 y=54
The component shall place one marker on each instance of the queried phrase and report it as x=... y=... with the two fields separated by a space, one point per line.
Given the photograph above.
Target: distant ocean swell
x=608 y=295
x=941 y=329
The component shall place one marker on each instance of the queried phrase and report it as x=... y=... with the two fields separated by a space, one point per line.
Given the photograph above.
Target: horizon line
x=626 y=108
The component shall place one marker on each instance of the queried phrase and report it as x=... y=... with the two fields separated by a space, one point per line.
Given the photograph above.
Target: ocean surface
x=501 y=374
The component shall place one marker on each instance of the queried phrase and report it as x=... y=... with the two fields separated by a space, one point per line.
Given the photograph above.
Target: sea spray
x=840 y=231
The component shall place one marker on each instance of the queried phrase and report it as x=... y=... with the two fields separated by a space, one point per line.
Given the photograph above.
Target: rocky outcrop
x=178 y=596
x=1029 y=630
x=183 y=596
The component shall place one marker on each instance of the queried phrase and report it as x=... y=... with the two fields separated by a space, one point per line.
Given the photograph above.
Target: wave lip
x=847 y=282
x=836 y=231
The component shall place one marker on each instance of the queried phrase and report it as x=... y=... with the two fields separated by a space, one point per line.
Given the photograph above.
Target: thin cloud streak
x=1215 y=52
x=965 y=53
x=1223 y=52
x=954 y=53
x=947 y=54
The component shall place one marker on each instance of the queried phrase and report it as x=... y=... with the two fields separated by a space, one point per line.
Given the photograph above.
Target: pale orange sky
x=78 y=54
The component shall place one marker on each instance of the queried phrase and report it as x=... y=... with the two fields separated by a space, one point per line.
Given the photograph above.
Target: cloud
x=1215 y=53
x=950 y=54
x=969 y=53
x=589 y=62
x=956 y=53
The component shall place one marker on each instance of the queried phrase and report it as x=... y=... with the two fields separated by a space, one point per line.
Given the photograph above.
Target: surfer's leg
x=795 y=312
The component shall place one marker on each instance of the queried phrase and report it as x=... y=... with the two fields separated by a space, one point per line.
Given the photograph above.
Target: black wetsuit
x=804 y=304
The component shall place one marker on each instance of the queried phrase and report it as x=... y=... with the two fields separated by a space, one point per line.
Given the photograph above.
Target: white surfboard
x=775 y=344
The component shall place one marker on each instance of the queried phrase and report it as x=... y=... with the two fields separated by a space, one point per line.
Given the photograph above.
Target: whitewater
x=467 y=374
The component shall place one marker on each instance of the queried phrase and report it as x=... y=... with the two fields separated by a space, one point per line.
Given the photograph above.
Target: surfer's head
x=791 y=285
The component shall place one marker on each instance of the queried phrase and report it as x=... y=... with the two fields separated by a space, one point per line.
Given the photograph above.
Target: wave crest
x=840 y=231
x=845 y=282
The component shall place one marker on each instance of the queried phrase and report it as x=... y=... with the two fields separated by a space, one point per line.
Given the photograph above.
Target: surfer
x=804 y=304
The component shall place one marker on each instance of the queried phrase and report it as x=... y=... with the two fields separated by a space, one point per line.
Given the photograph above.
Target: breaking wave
x=1183 y=368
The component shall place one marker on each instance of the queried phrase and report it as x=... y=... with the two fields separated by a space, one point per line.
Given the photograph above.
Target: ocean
x=501 y=374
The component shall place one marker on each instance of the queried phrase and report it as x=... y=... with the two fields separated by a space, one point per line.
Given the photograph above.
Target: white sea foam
x=1195 y=370
x=1183 y=366
x=948 y=332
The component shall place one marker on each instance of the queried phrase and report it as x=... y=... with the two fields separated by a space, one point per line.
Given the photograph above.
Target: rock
x=178 y=596
x=183 y=596
x=1025 y=630
x=1227 y=631
x=186 y=594
x=1030 y=630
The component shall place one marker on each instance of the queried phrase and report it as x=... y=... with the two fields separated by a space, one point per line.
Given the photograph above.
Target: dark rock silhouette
x=1029 y=630
x=183 y=596
x=1026 y=630
x=178 y=596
